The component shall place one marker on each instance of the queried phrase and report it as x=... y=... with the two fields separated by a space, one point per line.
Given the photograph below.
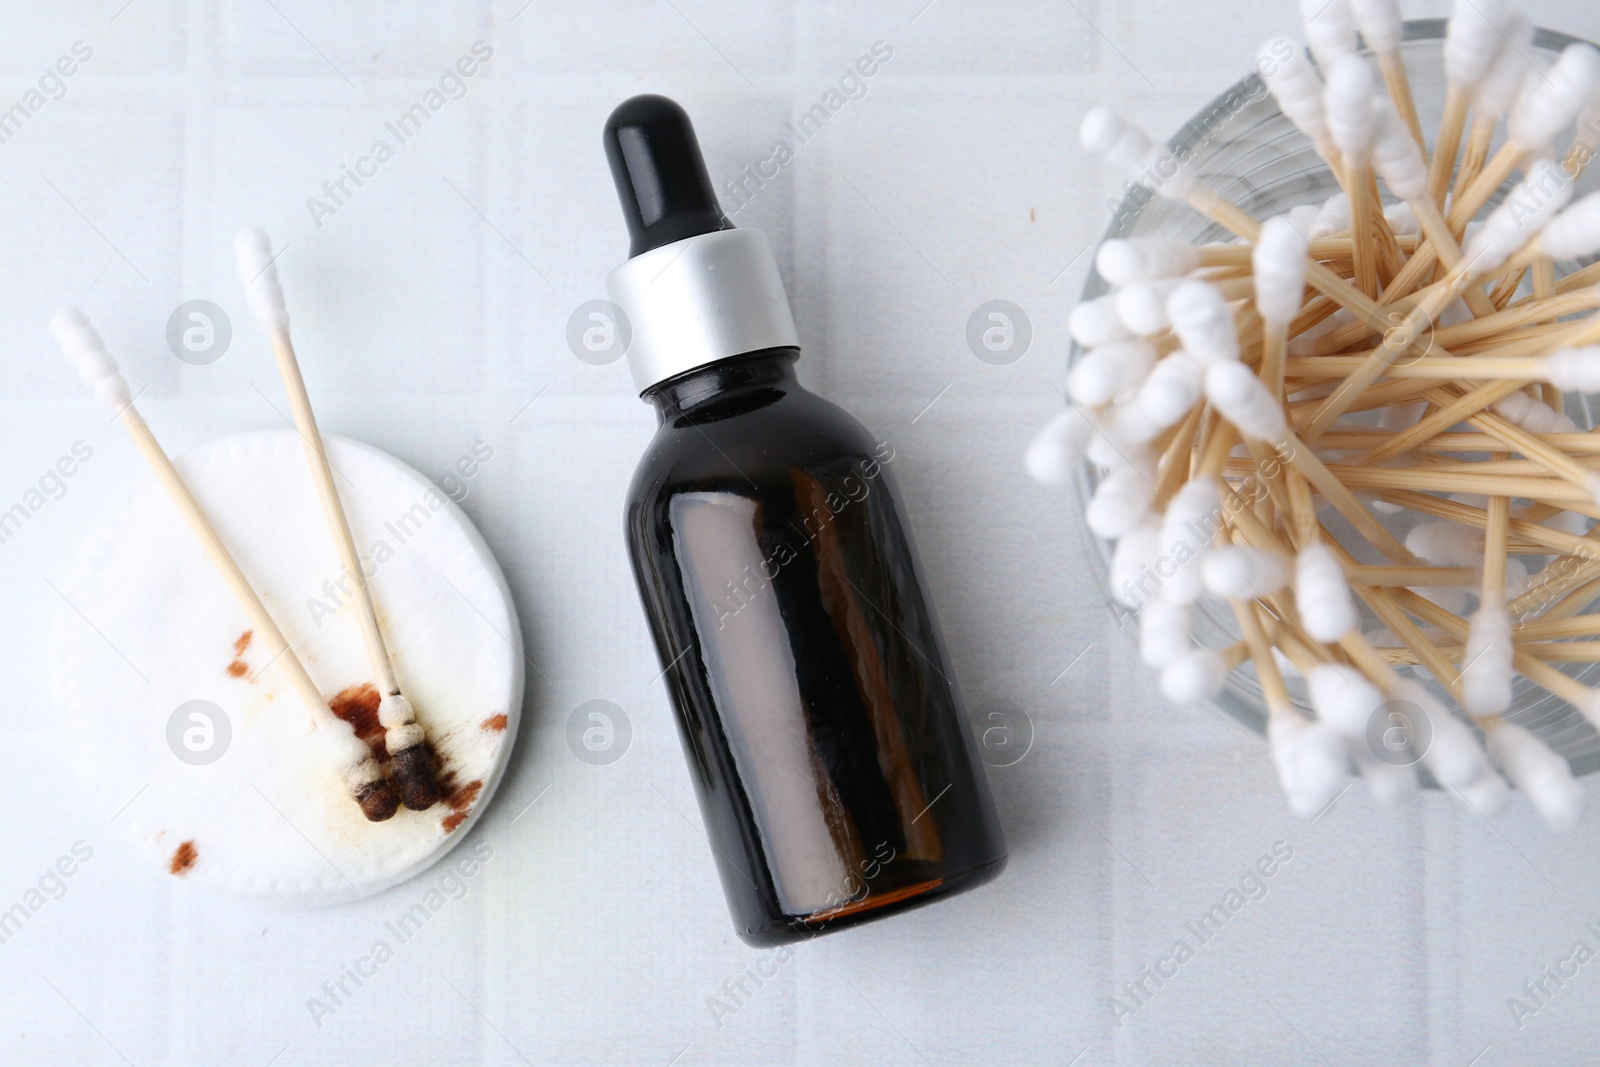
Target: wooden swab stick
x=1431 y=368
x=1547 y=104
x=1570 y=443
x=1352 y=121
x=1441 y=420
x=1542 y=675
x=1493 y=97
x=1448 y=142
x=362 y=776
x=1525 y=536
x=1472 y=39
x=1369 y=575
x=403 y=735
x=1555 y=652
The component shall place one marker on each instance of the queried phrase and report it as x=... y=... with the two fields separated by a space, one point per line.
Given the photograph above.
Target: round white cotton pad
x=264 y=818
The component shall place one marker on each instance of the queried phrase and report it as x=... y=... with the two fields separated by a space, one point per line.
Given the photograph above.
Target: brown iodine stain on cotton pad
x=183 y=858
x=494 y=723
x=458 y=800
x=358 y=706
x=239 y=668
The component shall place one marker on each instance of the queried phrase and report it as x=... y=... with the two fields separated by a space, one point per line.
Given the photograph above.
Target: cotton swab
x=1399 y=162
x=1493 y=98
x=1545 y=777
x=1472 y=38
x=1166 y=395
x=403 y=735
x=1057 y=450
x=1109 y=370
x=1330 y=30
x=1295 y=84
x=1222 y=439
x=1141 y=259
x=1095 y=322
x=362 y=776
x=1279 y=259
x=1508 y=231
x=1381 y=27
x=1547 y=103
x=1351 y=122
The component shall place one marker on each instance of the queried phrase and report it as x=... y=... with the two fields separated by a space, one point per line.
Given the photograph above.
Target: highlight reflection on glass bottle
x=833 y=762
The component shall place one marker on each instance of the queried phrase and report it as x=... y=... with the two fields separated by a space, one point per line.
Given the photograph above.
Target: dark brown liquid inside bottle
x=835 y=768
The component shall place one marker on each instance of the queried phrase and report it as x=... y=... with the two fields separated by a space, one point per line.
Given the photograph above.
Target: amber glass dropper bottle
x=834 y=765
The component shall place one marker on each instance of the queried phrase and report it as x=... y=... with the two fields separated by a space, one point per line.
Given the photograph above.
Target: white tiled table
x=431 y=309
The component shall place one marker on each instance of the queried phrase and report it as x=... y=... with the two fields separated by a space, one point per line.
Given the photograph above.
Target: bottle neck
x=772 y=368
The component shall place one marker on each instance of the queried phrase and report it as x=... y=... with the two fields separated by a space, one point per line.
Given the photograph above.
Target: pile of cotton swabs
x=1383 y=353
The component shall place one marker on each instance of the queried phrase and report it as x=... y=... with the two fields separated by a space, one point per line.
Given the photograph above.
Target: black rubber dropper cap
x=660 y=174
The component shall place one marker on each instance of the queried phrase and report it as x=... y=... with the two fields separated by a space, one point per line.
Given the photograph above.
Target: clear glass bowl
x=1256 y=158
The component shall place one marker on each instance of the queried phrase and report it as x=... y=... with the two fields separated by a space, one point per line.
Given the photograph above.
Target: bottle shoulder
x=753 y=444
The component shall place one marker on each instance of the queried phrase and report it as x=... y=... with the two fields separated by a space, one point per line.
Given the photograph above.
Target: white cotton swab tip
x=1542 y=774
x=1333 y=217
x=1141 y=259
x=1203 y=321
x=1112 y=137
x=1296 y=86
x=1486 y=794
x=1526 y=210
x=1244 y=400
x=1311 y=758
x=1452 y=754
x=346 y=752
x=1279 y=260
x=1396 y=156
x=1095 y=322
x=1349 y=105
x=1135 y=551
x=1194 y=677
x=1574 y=369
x=1120 y=502
x=84 y=349
x=1401 y=219
x=1327 y=608
x=1164 y=632
x=253 y=257
x=1238 y=572
x=1380 y=24
x=1553 y=100
x=1486 y=662
x=1472 y=38
x=1142 y=306
x=1390 y=783
x=1105 y=372
x=1187 y=527
x=1575 y=232
x=1497 y=92
x=1330 y=29
x=1057 y=450
x=1535 y=416
x=1343 y=698
x=1166 y=395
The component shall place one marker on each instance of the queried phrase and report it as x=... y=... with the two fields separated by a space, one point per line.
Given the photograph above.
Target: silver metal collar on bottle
x=699 y=300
